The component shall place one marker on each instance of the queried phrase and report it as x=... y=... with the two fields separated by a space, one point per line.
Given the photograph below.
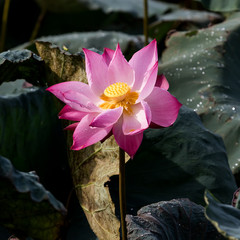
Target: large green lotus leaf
x=177 y=162
x=127 y=6
x=74 y=42
x=27 y=208
x=99 y=40
x=181 y=19
x=224 y=217
x=21 y=64
x=176 y=219
x=16 y=88
x=31 y=135
x=133 y=6
x=221 y=5
x=202 y=67
x=188 y=15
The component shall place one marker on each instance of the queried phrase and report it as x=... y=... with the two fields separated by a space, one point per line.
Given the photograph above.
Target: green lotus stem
x=145 y=21
x=38 y=24
x=4 y=24
x=122 y=193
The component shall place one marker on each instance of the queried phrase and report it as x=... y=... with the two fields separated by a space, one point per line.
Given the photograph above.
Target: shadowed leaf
x=176 y=219
x=224 y=217
x=180 y=161
x=31 y=135
x=221 y=5
x=21 y=64
x=181 y=19
x=27 y=208
x=127 y=6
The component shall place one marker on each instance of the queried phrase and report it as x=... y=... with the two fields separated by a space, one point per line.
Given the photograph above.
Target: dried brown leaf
x=61 y=65
x=91 y=169
x=93 y=166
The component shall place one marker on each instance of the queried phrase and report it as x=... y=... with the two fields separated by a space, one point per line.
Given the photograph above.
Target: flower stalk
x=4 y=24
x=122 y=193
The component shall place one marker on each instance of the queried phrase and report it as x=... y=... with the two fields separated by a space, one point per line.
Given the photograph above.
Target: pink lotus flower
x=122 y=98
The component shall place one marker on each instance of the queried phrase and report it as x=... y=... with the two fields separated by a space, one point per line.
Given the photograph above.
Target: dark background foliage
x=178 y=162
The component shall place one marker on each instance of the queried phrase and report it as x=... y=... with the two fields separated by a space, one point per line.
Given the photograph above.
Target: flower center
x=118 y=95
x=117 y=91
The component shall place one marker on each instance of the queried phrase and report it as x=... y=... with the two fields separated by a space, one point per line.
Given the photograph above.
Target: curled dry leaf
x=91 y=169
x=61 y=66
